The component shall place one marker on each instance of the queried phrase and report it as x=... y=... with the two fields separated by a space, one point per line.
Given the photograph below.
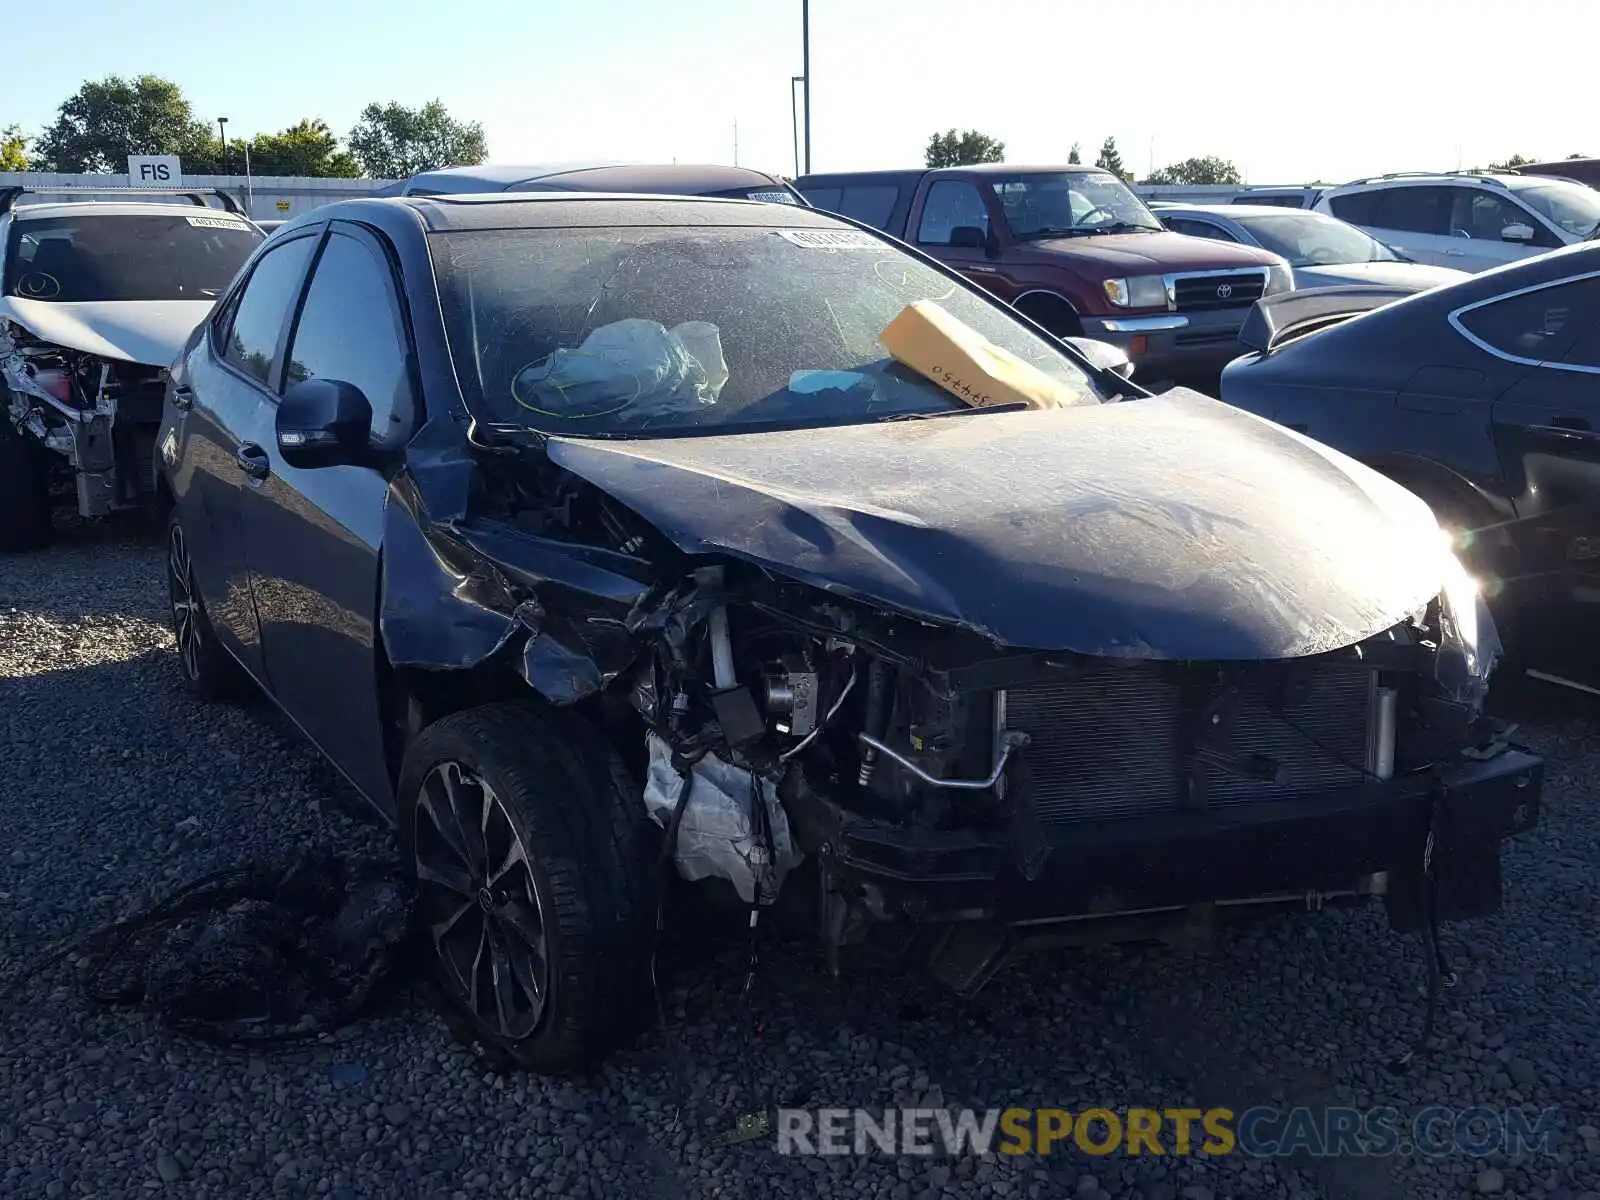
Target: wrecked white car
x=96 y=300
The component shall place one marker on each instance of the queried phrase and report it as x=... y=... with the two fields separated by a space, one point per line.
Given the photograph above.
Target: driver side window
x=351 y=330
x=951 y=204
x=1481 y=214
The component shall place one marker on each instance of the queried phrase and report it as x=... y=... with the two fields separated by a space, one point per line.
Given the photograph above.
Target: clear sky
x=1291 y=90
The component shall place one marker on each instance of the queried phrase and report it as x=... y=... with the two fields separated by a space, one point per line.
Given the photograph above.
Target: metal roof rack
x=1485 y=176
x=10 y=195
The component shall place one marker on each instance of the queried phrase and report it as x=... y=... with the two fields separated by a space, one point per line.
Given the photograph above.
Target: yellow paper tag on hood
x=964 y=363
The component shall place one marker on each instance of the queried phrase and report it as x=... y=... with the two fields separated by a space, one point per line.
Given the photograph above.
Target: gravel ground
x=116 y=787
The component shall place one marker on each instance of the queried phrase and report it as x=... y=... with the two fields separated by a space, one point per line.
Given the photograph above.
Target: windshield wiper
x=1009 y=406
x=1117 y=227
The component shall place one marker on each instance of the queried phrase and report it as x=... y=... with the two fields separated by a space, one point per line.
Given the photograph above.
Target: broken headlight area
x=100 y=415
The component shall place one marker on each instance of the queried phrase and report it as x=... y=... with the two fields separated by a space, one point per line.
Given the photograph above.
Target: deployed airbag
x=734 y=827
x=628 y=364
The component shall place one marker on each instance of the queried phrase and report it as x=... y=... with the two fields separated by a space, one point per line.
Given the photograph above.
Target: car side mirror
x=1517 y=232
x=968 y=237
x=1104 y=355
x=324 y=423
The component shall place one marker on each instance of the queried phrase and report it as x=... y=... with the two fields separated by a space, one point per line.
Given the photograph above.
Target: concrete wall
x=274 y=198
x=270 y=198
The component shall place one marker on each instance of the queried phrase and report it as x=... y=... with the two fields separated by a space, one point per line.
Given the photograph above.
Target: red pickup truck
x=1075 y=250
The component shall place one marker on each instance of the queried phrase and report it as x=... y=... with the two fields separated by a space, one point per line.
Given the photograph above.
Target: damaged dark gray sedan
x=589 y=535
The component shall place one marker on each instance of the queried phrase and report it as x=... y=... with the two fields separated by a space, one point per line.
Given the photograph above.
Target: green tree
x=1111 y=160
x=106 y=120
x=1512 y=163
x=1209 y=169
x=392 y=141
x=953 y=149
x=308 y=147
x=13 y=149
x=1075 y=155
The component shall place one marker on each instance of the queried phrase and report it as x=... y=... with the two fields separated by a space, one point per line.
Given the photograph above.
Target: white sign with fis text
x=154 y=170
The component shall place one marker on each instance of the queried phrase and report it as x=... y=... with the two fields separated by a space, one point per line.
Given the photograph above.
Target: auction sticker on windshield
x=830 y=239
x=216 y=223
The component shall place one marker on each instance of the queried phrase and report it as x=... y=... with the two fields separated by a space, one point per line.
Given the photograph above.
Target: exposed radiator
x=1110 y=744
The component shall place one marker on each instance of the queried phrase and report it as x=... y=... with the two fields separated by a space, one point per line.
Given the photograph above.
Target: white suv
x=1470 y=222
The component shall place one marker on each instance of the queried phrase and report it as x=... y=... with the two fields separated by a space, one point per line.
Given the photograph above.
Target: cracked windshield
x=653 y=332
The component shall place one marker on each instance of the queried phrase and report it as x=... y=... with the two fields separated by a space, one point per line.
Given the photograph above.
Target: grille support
x=1121 y=741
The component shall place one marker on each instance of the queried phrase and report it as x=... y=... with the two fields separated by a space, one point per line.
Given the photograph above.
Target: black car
x=563 y=525
x=1482 y=397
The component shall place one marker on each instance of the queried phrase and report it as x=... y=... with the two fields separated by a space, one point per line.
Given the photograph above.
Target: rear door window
x=1413 y=209
x=1585 y=352
x=1359 y=208
x=1538 y=326
x=951 y=204
x=269 y=296
x=873 y=205
x=826 y=198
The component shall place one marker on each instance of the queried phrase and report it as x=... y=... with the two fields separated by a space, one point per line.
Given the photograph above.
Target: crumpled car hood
x=1173 y=527
x=143 y=331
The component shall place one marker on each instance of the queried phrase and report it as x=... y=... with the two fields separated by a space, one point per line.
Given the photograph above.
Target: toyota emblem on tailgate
x=1224 y=290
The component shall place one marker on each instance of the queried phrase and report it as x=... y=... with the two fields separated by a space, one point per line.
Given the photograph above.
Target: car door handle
x=1457 y=253
x=182 y=397
x=252 y=460
x=1574 y=429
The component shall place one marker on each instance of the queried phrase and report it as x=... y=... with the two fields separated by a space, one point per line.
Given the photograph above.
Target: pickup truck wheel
x=209 y=671
x=24 y=491
x=1055 y=314
x=533 y=857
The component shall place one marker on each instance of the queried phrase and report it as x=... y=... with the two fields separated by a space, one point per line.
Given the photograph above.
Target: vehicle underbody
x=97 y=416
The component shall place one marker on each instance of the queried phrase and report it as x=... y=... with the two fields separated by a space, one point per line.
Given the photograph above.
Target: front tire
x=533 y=858
x=208 y=670
x=24 y=490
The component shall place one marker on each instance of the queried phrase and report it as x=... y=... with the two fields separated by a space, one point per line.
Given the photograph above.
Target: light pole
x=794 y=120
x=805 y=71
x=222 y=132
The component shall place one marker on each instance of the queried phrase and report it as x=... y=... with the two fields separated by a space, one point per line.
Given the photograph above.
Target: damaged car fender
x=460 y=590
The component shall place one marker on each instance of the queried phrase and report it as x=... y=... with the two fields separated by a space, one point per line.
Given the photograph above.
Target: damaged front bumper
x=1370 y=840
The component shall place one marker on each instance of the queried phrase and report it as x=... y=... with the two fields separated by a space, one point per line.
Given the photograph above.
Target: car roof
x=580 y=210
x=35 y=210
x=824 y=178
x=1001 y=168
x=491 y=176
x=609 y=176
x=1427 y=179
x=1239 y=211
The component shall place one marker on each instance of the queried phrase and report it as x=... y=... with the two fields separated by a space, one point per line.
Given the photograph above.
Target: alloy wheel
x=185 y=602
x=480 y=901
